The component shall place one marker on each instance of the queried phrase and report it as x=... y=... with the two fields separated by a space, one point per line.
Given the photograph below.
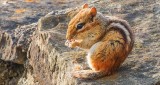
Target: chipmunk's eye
x=80 y=25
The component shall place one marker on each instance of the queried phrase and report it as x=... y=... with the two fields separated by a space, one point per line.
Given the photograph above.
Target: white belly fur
x=89 y=55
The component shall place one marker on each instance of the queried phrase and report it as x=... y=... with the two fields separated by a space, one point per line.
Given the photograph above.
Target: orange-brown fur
x=107 y=42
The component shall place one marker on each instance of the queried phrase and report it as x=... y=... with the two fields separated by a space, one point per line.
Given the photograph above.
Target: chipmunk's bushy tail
x=89 y=74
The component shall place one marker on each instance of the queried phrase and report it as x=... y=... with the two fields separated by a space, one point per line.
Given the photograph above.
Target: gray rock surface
x=35 y=54
x=14 y=44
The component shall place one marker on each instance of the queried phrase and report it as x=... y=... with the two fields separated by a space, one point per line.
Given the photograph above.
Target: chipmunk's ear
x=85 y=6
x=93 y=11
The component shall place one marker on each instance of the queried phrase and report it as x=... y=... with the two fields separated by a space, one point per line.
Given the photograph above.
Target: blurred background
x=20 y=12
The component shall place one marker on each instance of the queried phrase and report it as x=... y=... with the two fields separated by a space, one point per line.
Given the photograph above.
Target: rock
x=9 y=25
x=10 y=73
x=14 y=44
x=17 y=12
x=156 y=9
x=52 y=19
x=35 y=54
x=45 y=55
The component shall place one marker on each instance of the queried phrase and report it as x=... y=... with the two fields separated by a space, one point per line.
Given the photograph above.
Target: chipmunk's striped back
x=111 y=22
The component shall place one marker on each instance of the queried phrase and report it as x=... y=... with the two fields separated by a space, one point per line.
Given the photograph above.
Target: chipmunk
x=107 y=39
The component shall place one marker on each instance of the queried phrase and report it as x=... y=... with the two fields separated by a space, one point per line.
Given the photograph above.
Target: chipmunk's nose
x=68 y=37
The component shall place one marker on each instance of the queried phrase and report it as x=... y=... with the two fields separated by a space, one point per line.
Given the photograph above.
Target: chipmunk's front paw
x=67 y=43
x=71 y=43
